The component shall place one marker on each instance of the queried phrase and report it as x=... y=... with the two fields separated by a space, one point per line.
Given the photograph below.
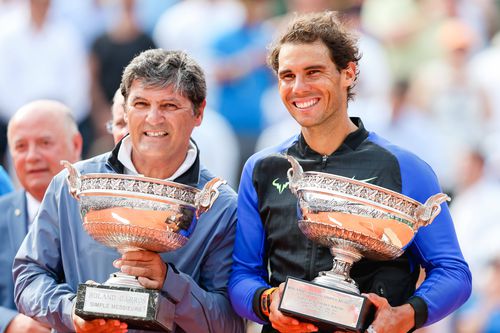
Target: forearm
x=54 y=302
x=197 y=310
x=6 y=315
x=445 y=293
x=244 y=291
x=448 y=279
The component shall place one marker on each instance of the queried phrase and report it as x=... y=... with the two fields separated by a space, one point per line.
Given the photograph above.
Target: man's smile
x=156 y=133
x=306 y=104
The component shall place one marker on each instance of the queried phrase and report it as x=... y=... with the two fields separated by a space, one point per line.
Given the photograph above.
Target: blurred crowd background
x=430 y=78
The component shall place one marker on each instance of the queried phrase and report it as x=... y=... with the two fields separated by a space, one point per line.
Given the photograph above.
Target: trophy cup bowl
x=134 y=213
x=354 y=219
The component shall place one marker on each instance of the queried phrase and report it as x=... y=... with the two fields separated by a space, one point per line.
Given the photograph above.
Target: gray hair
x=161 y=68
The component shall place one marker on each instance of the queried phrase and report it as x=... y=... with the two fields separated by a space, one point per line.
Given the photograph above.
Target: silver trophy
x=135 y=213
x=354 y=219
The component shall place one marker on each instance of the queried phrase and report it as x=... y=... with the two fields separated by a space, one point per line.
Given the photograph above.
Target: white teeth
x=307 y=104
x=156 y=133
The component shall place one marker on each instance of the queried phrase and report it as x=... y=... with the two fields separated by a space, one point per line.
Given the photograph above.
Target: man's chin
x=35 y=185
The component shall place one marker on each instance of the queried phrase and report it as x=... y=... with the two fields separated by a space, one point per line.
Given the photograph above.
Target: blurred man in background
x=40 y=134
x=117 y=126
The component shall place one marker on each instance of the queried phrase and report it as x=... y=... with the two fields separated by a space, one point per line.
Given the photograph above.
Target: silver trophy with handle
x=135 y=213
x=354 y=219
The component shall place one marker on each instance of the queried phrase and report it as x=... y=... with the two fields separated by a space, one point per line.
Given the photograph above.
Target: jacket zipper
x=324 y=159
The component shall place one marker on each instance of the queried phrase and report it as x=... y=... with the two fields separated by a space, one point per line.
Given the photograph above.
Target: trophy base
x=140 y=308
x=327 y=308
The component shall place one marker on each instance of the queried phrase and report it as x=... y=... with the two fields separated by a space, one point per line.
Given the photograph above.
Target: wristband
x=265 y=301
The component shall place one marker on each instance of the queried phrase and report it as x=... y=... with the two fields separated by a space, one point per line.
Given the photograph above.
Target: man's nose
x=300 y=84
x=32 y=153
x=155 y=116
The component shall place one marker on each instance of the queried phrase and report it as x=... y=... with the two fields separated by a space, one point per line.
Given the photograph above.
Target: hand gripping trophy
x=134 y=213
x=353 y=219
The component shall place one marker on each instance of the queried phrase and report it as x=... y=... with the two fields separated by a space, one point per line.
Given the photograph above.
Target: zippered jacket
x=58 y=254
x=268 y=238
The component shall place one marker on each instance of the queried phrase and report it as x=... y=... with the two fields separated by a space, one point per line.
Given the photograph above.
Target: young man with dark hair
x=316 y=61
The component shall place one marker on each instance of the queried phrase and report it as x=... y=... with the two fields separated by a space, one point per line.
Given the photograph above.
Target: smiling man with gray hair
x=164 y=96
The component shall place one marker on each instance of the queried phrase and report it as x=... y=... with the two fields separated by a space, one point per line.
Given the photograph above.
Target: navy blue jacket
x=268 y=235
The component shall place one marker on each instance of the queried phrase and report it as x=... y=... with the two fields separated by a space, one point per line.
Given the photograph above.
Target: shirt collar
x=32 y=206
x=125 y=158
x=351 y=142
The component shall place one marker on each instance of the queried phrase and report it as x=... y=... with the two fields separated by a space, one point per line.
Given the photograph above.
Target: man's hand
x=22 y=323
x=146 y=265
x=98 y=325
x=399 y=319
x=284 y=323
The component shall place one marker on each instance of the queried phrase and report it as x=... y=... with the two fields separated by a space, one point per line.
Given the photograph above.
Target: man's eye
x=20 y=147
x=140 y=104
x=120 y=124
x=169 y=106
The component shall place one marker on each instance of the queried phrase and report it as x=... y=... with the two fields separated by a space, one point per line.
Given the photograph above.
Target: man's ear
x=200 y=113
x=350 y=73
x=77 y=143
x=125 y=113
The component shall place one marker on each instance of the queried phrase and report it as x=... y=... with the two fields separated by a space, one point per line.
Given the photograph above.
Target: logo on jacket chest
x=280 y=186
x=367 y=180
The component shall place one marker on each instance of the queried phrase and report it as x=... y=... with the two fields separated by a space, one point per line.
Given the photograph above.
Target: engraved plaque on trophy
x=135 y=213
x=354 y=219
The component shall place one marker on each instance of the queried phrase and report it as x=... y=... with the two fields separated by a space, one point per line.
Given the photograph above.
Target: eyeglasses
x=109 y=126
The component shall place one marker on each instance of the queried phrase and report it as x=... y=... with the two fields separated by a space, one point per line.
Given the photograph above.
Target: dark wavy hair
x=327 y=28
x=161 y=68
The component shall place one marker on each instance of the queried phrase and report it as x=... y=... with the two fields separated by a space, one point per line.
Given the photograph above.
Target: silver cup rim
x=358 y=183
x=139 y=178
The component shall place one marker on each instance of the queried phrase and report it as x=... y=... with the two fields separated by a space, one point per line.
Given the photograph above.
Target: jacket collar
x=351 y=142
x=190 y=177
x=18 y=218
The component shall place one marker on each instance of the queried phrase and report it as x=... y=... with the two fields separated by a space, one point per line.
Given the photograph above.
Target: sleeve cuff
x=421 y=311
x=256 y=304
x=68 y=308
x=174 y=286
x=6 y=316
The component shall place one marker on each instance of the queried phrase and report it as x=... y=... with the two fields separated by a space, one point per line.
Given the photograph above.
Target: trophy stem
x=120 y=279
x=339 y=276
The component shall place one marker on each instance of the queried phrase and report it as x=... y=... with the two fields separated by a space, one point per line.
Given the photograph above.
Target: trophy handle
x=207 y=196
x=427 y=212
x=294 y=173
x=74 y=179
